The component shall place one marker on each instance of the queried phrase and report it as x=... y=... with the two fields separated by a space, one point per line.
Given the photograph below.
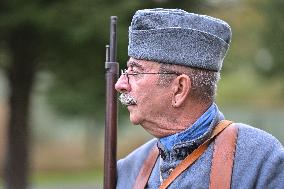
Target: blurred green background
x=52 y=85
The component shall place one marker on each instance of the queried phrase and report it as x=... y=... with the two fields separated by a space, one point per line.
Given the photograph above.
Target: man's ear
x=181 y=89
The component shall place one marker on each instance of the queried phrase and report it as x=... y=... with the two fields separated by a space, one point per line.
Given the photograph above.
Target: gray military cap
x=175 y=36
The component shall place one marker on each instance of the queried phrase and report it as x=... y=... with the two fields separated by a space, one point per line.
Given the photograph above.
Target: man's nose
x=122 y=84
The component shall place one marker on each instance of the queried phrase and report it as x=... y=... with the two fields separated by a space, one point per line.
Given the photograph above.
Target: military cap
x=174 y=36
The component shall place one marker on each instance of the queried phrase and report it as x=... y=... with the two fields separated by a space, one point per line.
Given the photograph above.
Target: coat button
x=170 y=171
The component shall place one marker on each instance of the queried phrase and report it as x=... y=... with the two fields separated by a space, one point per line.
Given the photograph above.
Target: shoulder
x=128 y=167
x=139 y=153
x=253 y=141
x=259 y=159
x=257 y=138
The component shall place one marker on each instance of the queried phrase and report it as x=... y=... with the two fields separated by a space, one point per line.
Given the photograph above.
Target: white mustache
x=127 y=99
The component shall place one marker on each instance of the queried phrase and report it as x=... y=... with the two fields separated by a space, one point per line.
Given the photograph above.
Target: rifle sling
x=215 y=179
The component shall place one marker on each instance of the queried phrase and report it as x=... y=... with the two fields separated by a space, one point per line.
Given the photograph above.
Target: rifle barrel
x=113 y=36
x=111 y=109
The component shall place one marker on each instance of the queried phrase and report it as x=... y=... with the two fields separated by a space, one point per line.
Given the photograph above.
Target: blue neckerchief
x=193 y=132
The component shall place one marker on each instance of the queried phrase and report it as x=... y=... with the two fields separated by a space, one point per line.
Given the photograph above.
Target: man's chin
x=134 y=120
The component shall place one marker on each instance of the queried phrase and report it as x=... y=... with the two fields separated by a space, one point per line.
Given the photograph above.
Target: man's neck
x=176 y=121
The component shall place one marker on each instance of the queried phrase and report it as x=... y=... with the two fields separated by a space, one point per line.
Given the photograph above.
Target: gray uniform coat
x=258 y=164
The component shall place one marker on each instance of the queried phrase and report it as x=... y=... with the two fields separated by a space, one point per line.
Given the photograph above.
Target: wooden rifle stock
x=111 y=109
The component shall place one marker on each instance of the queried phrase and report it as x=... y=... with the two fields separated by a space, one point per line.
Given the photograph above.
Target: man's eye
x=135 y=72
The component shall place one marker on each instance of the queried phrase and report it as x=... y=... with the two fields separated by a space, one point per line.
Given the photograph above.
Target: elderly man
x=169 y=88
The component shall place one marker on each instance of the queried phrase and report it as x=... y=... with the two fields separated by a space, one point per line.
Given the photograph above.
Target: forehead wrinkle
x=132 y=63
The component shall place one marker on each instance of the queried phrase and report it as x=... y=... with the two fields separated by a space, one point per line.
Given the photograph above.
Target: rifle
x=111 y=67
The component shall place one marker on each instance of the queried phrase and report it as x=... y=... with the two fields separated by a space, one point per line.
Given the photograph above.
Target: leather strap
x=223 y=158
x=191 y=158
x=147 y=167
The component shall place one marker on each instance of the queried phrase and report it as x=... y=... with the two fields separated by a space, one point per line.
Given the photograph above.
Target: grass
x=81 y=176
x=60 y=178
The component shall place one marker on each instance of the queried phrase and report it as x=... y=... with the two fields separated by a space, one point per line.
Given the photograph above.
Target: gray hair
x=203 y=82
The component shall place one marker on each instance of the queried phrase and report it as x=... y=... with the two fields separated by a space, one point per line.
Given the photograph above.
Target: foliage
x=272 y=58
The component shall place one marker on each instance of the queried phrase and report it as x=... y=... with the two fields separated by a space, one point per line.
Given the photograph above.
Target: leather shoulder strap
x=146 y=169
x=191 y=158
x=223 y=158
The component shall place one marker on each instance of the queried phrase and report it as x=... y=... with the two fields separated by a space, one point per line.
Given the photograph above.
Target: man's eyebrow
x=134 y=64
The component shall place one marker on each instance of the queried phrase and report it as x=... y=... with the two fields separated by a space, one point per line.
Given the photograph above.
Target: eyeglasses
x=125 y=72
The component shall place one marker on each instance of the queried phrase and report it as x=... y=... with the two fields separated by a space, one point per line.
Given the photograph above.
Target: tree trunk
x=21 y=72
